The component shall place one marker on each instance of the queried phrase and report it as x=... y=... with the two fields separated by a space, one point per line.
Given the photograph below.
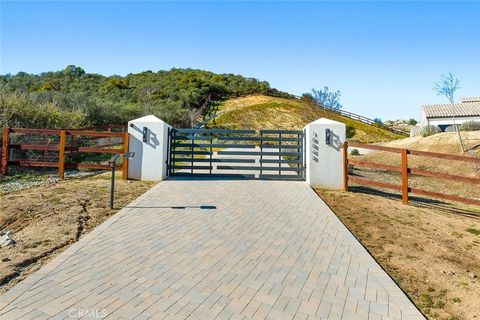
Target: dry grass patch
x=45 y=220
x=432 y=254
x=264 y=112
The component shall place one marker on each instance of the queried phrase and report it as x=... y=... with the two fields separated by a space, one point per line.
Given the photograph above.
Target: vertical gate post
x=169 y=148
x=405 y=176
x=345 y=166
x=126 y=142
x=324 y=140
x=149 y=140
x=61 y=154
x=5 y=151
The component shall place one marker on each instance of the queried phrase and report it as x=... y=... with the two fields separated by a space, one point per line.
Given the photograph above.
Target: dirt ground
x=45 y=220
x=432 y=253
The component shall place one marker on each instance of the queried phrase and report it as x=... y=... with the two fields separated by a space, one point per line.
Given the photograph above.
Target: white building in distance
x=442 y=114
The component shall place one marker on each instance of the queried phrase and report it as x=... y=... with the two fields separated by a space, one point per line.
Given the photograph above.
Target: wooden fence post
x=125 y=160
x=5 y=151
x=61 y=154
x=405 y=176
x=345 y=166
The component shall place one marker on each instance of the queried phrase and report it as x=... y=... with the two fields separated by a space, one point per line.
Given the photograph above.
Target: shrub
x=470 y=126
x=17 y=110
x=350 y=131
x=378 y=121
x=429 y=130
x=412 y=122
x=355 y=152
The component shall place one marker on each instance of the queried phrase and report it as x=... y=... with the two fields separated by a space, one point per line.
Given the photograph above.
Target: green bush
x=412 y=122
x=355 y=152
x=17 y=110
x=350 y=131
x=429 y=130
x=470 y=126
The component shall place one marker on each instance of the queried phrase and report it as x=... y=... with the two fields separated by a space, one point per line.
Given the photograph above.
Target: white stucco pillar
x=324 y=158
x=149 y=140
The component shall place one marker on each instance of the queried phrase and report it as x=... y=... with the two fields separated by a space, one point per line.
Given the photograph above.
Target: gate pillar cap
x=325 y=121
x=149 y=118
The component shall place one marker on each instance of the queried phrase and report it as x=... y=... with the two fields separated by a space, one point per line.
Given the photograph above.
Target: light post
x=113 y=163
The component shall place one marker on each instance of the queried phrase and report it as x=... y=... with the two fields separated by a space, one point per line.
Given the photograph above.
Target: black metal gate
x=263 y=154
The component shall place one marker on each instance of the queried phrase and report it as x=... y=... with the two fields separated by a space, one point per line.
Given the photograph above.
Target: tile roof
x=470 y=99
x=464 y=109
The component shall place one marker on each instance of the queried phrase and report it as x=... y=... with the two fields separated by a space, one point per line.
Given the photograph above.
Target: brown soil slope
x=264 y=112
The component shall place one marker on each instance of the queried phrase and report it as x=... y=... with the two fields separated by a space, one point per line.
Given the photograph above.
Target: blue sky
x=383 y=56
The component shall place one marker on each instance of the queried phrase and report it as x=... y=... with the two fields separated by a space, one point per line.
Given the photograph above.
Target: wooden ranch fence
x=60 y=142
x=363 y=119
x=406 y=171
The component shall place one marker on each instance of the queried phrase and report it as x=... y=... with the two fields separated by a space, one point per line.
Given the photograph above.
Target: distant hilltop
x=74 y=98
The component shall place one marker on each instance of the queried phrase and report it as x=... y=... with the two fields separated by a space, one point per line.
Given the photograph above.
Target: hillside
x=443 y=142
x=266 y=112
x=74 y=98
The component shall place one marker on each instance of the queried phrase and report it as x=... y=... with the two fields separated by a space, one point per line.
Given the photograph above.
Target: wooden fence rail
x=406 y=171
x=363 y=119
x=61 y=147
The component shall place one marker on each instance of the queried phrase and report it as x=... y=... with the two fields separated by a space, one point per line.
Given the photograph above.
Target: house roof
x=470 y=99
x=464 y=109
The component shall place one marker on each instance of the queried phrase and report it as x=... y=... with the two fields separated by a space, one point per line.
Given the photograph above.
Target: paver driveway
x=236 y=250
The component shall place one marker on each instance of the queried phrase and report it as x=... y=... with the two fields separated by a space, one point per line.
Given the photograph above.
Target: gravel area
x=22 y=182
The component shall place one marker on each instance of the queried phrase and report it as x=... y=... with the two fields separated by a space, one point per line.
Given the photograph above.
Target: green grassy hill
x=265 y=112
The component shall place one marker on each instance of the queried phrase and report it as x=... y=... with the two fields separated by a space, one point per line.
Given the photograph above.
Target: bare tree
x=447 y=86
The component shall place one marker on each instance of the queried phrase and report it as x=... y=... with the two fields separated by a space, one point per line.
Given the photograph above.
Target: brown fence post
x=61 y=154
x=5 y=151
x=405 y=176
x=345 y=166
x=125 y=160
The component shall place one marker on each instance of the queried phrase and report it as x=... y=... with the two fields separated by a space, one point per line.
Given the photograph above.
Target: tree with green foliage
x=178 y=96
x=73 y=71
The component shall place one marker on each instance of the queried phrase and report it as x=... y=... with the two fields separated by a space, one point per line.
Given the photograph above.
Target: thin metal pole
x=261 y=155
x=193 y=141
x=112 y=187
x=167 y=161
x=299 y=158
x=303 y=154
x=279 y=154
x=172 y=151
x=211 y=152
